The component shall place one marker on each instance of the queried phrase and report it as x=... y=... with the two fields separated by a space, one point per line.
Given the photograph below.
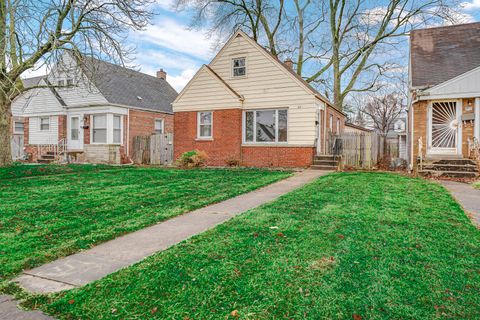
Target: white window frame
x=338 y=125
x=15 y=127
x=330 y=126
x=162 y=126
x=113 y=129
x=244 y=127
x=92 y=122
x=199 y=124
x=69 y=82
x=60 y=82
x=40 y=123
x=233 y=68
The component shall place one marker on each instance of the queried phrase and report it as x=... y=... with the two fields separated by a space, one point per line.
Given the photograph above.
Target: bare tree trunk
x=5 y=125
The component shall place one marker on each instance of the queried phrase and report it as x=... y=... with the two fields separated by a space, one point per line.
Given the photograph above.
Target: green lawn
x=30 y=170
x=350 y=245
x=476 y=184
x=45 y=217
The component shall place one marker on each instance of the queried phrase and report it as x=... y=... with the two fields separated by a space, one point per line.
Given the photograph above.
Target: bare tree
x=383 y=111
x=37 y=32
x=343 y=45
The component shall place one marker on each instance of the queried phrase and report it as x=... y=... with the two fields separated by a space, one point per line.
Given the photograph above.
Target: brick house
x=92 y=113
x=248 y=106
x=444 y=113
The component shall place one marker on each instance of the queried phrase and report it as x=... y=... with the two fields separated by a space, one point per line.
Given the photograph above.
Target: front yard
x=52 y=211
x=350 y=245
x=476 y=184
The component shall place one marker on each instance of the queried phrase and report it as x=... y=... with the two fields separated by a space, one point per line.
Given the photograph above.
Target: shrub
x=191 y=159
x=232 y=162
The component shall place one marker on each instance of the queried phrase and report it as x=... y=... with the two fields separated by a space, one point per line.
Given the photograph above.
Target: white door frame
x=75 y=144
x=445 y=151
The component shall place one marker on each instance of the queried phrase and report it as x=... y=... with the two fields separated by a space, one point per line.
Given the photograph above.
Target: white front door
x=444 y=127
x=75 y=132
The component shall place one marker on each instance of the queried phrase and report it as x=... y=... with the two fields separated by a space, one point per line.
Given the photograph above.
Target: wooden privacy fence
x=17 y=147
x=154 y=149
x=362 y=150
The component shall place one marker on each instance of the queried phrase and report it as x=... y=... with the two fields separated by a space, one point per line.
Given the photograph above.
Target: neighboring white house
x=91 y=113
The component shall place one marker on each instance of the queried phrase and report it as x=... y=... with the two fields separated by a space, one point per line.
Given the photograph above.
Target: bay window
x=265 y=126
x=204 y=125
x=99 y=128
x=117 y=129
x=106 y=128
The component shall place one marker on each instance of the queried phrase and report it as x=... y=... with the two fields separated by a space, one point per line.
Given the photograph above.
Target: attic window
x=239 y=67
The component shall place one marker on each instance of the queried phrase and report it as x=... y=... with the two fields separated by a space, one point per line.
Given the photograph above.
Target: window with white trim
x=18 y=127
x=44 y=123
x=338 y=125
x=331 y=123
x=204 y=124
x=69 y=82
x=99 y=128
x=117 y=129
x=61 y=83
x=266 y=126
x=158 y=126
x=239 y=67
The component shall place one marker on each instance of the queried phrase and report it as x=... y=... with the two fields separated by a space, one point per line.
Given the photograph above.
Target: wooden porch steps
x=325 y=162
x=450 y=168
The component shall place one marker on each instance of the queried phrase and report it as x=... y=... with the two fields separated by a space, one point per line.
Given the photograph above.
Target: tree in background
x=344 y=46
x=383 y=111
x=37 y=32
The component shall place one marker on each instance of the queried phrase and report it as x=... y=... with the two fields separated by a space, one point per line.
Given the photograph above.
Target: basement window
x=265 y=126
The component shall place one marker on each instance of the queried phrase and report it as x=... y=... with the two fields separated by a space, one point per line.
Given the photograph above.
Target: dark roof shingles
x=131 y=88
x=442 y=53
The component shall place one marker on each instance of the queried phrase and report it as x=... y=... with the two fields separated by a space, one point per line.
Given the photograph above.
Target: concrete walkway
x=93 y=264
x=467 y=196
x=10 y=311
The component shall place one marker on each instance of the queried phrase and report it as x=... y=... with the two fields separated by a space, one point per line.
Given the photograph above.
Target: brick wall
x=142 y=123
x=257 y=156
x=227 y=135
x=62 y=127
x=227 y=143
x=86 y=130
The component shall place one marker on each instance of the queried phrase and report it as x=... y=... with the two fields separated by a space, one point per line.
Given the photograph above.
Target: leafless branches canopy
x=35 y=32
x=343 y=45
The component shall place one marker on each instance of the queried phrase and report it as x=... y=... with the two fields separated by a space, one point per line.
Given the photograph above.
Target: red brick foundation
x=290 y=157
x=227 y=143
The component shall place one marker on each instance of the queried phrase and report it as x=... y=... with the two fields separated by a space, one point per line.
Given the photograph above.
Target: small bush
x=192 y=159
x=232 y=162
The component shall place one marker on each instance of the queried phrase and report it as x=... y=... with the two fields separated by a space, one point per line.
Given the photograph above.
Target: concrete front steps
x=47 y=157
x=326 y=162
x=450 y=168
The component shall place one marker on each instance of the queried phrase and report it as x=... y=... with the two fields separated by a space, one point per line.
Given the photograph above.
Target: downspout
x=242 y=99
x=128 y=135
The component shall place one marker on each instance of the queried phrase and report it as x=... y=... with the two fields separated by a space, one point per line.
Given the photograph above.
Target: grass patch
x=50 y=216
x=350 y=245
x=19 y=170
x=476 y=185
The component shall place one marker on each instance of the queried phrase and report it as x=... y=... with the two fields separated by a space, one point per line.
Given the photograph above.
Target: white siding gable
x=267 y=83
x=37 y=101
x=466 y=85
x=205 y=92
x=83 y=93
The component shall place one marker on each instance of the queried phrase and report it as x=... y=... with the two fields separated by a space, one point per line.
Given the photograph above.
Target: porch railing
x=57 y=148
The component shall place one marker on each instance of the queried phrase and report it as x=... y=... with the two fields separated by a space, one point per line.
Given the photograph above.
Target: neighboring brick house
x=248 y=106
x=444 y=114
x=93 y=112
